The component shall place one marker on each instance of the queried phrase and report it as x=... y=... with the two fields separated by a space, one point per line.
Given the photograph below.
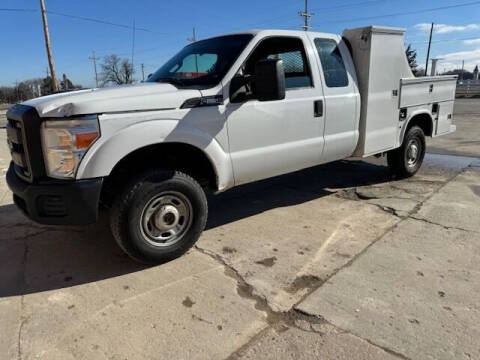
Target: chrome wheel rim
x=166 y=218
x=413 y=152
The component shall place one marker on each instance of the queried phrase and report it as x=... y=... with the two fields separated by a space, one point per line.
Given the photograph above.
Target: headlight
x=65 y=142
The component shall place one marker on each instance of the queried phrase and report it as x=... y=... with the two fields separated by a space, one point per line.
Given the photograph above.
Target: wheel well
x=175 y=156
x=423 y=121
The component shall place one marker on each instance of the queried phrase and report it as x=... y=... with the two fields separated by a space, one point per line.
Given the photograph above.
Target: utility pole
x=192 y=40
x=307 y=16
x=17 y=95
x=429 y=47
x=143 y=72
x=94 y=59
x=49 y=49
x=194 y=37
x=463 y=70
x=434 y=66
x=133 y=45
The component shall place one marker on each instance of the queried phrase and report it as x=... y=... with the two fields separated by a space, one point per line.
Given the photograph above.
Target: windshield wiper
x=173 y=81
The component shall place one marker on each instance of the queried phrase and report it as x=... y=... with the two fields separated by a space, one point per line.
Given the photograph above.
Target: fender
x=109 y=150
x=412 y=115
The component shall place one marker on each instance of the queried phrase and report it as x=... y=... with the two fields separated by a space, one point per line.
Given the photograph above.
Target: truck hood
x=145 y=96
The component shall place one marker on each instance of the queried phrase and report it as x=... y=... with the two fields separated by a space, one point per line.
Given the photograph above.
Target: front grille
x=17 y=145
x=23 y=136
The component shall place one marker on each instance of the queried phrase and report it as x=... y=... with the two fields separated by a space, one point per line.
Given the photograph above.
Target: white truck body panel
x=427 y=90
x=387 y=84
x=342 y=106
x=444 y=119
x=275 y=137
x=439 y=90
x=129 y=132
x=120 y=99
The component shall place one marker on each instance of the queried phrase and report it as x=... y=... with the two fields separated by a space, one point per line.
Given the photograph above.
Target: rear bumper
x=58 y=202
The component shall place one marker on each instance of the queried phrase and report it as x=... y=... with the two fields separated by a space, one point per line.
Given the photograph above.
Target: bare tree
x=116 y=71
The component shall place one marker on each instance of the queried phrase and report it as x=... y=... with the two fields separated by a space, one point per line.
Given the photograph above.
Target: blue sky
x=169 y=24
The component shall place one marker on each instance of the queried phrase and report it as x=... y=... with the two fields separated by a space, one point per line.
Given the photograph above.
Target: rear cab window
x=333 y=66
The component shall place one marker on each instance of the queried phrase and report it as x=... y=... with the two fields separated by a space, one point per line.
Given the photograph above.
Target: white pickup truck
x=222 y=112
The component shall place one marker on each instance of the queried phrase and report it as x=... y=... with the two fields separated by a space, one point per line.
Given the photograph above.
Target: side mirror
x=269 y=80
x=149 y=76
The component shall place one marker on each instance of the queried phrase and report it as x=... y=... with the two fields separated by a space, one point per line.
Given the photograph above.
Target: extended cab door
x=275 y=137
x=342 y=99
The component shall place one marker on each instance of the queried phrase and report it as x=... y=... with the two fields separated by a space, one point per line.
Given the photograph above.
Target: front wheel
x=159 y=216
x=406 y=161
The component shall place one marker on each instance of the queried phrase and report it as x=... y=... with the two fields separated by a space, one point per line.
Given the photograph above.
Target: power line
x=84 y=18
x=361 y=3
x=18 y=10
x=288 y=14
x=405 y=13
x=75 y=64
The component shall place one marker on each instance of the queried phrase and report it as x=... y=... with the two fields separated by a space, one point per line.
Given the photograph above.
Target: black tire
x=133 y=232
x=405 y=162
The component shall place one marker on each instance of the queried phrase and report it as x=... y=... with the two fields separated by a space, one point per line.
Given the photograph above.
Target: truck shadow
x=36 y=258
x=292 y=189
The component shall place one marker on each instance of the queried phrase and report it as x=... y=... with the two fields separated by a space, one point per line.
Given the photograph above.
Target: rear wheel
x=407 y=160
x=159 y=216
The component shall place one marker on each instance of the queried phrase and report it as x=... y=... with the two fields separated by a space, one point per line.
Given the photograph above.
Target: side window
x=292 y=52
x=332 y=63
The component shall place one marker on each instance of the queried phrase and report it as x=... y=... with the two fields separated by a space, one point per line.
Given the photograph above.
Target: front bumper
x=56 y=202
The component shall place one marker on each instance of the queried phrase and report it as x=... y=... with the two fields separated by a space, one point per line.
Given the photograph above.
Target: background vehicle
x=223 y=112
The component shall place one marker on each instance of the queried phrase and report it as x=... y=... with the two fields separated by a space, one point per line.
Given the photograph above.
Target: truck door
x=342 y=99
x=275 y=137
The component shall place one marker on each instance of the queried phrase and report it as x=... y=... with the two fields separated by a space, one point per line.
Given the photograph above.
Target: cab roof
x=266 y=32
x=279 y=32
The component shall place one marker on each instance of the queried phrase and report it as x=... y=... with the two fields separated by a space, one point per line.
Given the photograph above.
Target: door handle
x=318 y=108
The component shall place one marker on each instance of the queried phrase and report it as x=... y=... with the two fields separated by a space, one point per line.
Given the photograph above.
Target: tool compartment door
x=436 y=92
x=427 y=90
x=444 y=118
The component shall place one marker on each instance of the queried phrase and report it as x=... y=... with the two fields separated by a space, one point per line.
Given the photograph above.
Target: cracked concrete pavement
x=335 y=262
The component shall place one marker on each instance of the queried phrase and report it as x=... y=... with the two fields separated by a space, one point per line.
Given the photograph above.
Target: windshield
x=203 y=63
